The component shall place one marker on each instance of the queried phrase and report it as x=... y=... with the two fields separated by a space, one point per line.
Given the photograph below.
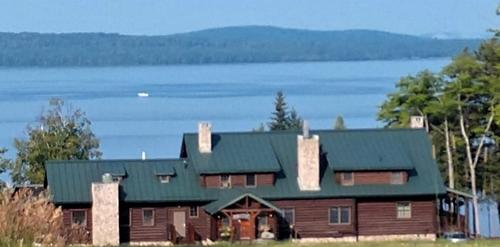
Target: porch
x=244 y=217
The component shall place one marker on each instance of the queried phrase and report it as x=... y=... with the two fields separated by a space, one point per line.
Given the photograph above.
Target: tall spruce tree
x=339 y=123
x=295 y=122
x=279 y=119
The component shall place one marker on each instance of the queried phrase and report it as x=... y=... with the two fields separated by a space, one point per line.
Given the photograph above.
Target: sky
x=459 y=18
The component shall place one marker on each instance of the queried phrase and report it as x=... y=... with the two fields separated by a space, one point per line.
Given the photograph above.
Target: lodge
x=335 y=185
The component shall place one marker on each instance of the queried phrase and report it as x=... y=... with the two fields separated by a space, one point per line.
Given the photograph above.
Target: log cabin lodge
x=328 y=185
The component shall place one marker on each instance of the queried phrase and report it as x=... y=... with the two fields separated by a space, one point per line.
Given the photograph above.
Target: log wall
x=379 y=217
x=312 y=218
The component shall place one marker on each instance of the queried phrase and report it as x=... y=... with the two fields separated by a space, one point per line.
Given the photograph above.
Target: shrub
x=26 y=219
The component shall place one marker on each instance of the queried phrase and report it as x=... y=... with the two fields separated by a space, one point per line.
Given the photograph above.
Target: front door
x=246 y=231
x=180 y=223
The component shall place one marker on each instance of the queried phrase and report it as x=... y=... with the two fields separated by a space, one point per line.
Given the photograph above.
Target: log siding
x=370 y=177
x=163 y=219
x=312 y=217
x=67 y=211
x=379 y=217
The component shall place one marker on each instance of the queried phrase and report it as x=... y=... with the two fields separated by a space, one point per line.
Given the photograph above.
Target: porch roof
x=231 y=198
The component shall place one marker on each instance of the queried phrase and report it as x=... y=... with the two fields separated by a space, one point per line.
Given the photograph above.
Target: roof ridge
x=276 y=132
x=115 y=160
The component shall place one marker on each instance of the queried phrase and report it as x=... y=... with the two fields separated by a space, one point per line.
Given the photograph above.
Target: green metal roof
x=70 y=181
x=230 y=198
x=370 y=149
x=164 y=170
x=233 y=153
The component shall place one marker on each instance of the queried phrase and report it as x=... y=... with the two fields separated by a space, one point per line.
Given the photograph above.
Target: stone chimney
x=105 y=221
x=416 y=122
x=205 y=137
x=308 y=161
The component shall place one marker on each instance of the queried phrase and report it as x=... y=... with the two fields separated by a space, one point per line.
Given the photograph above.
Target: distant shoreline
x=230 y=45
x=219 y=64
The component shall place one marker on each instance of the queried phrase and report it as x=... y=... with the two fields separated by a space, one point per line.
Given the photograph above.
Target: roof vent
x=305 y=129
x=107 y=178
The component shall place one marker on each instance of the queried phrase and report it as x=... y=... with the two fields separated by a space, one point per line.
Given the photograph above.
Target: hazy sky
x=463 y=17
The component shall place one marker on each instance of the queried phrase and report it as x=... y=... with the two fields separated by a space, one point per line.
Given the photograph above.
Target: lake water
x=233 y=97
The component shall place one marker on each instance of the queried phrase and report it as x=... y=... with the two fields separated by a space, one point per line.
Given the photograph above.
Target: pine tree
x=4 y=163
x=279 y=120
x=339 y=123
x=295 y=122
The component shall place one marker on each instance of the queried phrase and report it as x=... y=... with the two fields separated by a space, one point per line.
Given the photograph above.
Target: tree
x=461 y=108
x=281 y=118
x=295 y=122
x=4 y=164
x=260 y=128
x=339 y=123
x=62 y=133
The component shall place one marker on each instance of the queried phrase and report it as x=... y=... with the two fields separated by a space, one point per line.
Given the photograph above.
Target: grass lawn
x=439 y=243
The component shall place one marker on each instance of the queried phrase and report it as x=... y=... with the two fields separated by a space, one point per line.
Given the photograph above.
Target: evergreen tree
x=261 y=128
x=4 y=164
x=339 y=123
x=61 y=134
x=279 y=119
x=295 y=122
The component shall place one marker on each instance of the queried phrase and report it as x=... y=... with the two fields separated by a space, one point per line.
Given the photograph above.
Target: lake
x=232 y=97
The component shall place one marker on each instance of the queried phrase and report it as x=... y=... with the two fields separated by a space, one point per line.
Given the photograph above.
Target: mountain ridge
x=234 y=44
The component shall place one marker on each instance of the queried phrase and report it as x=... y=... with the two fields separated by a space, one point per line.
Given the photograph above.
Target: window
x=250 y=180
x=289 y=216
x=225 y=181
x=117 y=179
x=396 y=177
x=148 y=217
x=79 y=217
x=164 y=179
x=193 y=211
x=340 y=215
x=347 y=178
x=225 y=221
x=403 y=210
x=262 y=220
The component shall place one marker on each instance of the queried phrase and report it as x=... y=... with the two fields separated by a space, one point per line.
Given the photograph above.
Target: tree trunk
x=475 y=202
x=451 y=171
x=472 y=171
x=473 y=163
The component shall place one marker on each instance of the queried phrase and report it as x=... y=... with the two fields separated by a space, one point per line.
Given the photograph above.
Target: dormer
x=240 y=180
x=164 y=173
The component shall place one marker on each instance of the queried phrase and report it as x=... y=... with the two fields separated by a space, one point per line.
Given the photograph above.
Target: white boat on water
x=143 y=94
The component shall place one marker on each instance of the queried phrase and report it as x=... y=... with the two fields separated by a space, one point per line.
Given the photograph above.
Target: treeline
x=461 y=109
x=223 y=45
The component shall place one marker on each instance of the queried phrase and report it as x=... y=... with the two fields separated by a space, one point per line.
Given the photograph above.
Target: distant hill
x=246 y=44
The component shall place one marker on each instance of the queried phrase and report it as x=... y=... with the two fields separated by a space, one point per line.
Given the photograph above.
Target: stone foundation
x=425 y=237
x=324 y=240
x=159 y=243
x=428 y=237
